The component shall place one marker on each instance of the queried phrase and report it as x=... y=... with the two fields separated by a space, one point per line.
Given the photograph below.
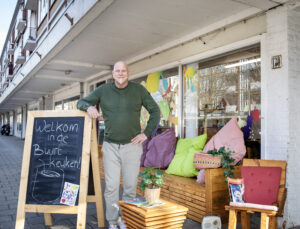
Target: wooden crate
x=167 y=215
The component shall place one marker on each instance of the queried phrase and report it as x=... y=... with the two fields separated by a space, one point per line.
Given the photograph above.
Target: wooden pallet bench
x=201 y=199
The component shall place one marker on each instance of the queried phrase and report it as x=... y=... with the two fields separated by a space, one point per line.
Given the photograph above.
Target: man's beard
x=120 y=80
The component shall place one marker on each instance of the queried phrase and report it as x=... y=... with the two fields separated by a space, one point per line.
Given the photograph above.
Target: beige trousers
x=117 y=159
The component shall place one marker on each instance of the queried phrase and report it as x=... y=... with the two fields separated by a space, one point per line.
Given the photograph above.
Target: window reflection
x=220 y=88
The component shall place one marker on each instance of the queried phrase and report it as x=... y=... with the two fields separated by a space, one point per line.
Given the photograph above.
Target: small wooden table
x=168 y=215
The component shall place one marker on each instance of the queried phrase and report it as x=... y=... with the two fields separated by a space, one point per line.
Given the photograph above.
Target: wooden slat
x=20 y=218
x=84 y=173
x=232 y=219
x=137 y=225
x=149 y=219
x=59 y=209
x=48 y=219
x=96 y=177
x=164 y=220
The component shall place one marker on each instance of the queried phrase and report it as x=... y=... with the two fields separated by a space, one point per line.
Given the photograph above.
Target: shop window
x=163 y=87
x=67 y=104
x=217 y=89
x=58 y=105
x=19 y=122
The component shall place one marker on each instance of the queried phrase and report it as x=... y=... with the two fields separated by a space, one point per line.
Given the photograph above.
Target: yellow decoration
x=153 y=82
x=190 y=72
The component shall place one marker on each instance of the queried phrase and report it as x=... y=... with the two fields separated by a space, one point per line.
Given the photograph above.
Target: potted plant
x=152 y=179
x=226 y=159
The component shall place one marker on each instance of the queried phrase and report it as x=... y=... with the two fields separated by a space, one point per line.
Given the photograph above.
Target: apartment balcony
x=11 y=49
x=31 y=4
x=20 y=58
x=30 y=39
x=6 y=60
x=5 y=84
x=21 y=24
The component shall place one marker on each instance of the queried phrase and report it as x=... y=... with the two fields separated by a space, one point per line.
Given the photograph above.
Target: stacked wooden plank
x=168 y=215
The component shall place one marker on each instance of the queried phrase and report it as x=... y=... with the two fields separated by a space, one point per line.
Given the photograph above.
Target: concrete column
x=293 y=158
x=280 y=109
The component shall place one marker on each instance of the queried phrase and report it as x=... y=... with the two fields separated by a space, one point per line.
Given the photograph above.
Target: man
x=121 y=103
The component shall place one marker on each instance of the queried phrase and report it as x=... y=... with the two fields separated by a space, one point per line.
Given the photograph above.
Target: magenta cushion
x=261 y=184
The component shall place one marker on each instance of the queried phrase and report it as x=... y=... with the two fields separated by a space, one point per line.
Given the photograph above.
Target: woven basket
x=206 y=161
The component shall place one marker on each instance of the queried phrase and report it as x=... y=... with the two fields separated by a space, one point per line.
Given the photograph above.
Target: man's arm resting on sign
x=93 y=112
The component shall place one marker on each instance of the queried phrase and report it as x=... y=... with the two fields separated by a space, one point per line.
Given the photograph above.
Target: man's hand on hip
x=139 y=139
x=93 y=112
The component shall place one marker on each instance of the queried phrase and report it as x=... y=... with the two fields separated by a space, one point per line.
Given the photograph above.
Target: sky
x=7 y=8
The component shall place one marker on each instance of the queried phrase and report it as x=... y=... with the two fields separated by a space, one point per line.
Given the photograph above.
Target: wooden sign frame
x=89 y=152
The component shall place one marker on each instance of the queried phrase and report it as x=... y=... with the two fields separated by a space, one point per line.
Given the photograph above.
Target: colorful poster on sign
x=69 y=194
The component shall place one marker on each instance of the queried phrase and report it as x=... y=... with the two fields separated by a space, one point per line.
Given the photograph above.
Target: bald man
x=121 y=103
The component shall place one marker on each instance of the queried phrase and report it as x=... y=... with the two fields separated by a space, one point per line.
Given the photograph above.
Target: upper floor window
x=43 y=7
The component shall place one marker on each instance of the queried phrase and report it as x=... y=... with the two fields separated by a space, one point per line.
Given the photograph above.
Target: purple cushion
x=159 y=151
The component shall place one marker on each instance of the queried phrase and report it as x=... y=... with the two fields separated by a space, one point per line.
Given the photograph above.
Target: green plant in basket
x=151 y=178
x=226 y=159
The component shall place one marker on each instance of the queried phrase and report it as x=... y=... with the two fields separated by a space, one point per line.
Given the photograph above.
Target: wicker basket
x=206 y=161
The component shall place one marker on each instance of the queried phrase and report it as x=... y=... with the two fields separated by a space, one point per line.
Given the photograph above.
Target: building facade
x=204 y=62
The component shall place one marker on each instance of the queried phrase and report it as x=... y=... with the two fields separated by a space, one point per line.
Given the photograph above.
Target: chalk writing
x=56 y=154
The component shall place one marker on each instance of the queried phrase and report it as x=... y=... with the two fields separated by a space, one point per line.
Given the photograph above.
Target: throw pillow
x=261 y=184
x=230 y=136
x=182 y=163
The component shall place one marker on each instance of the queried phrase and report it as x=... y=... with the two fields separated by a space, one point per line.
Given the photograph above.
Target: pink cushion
x=261 y=184
x=229 y=136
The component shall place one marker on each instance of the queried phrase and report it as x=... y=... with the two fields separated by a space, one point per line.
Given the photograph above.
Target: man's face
x=120 y=74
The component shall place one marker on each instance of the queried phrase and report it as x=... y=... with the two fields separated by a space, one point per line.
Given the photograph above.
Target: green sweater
x=121 y=108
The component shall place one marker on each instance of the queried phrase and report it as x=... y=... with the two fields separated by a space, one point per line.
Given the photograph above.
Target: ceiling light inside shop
x=243 y=63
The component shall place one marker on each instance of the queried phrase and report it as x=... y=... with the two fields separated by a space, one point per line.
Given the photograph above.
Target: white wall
x=293 y=177
x=280 y=109
x=66 y=92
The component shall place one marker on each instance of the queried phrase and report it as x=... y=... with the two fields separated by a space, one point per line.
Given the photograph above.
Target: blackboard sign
x=55 y=159
x=58 y=148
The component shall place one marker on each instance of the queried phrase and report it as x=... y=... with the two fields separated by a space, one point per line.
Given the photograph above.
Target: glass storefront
x=163 y=87
x=214 y=91
x=219 y=88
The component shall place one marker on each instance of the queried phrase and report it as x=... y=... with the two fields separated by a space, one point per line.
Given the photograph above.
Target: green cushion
x=182 y=163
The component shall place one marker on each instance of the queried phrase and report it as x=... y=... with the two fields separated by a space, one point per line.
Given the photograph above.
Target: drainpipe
x=81 y=89
x=43 y=103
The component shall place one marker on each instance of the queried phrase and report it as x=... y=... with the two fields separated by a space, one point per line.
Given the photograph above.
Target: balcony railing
x=9 y=72
x=21 y=24
x=19 y=56
x=30 y=38
x=11 y=49
x=21 y=20
x=6 y=60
